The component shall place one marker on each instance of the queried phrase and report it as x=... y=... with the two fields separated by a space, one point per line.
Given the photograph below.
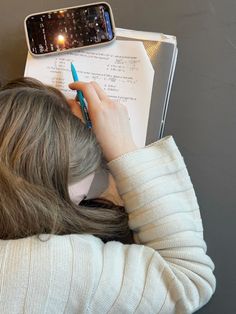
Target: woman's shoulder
x=49 y=239
x=62 y=266
x=50 y=244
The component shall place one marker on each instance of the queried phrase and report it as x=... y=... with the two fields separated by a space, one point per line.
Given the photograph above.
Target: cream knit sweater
x=167 y=271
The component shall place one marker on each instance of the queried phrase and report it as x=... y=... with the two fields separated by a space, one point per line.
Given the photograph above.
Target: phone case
x=70 y=49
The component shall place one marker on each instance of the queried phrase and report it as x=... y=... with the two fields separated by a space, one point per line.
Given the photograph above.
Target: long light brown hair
x=43 y=148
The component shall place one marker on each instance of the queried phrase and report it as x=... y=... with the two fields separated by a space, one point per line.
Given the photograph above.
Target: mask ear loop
x=83 y=199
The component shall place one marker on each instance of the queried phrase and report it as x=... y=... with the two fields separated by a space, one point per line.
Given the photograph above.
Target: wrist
x=119 y=152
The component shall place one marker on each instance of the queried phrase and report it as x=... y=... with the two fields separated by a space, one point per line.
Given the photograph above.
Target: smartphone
x=69 y=28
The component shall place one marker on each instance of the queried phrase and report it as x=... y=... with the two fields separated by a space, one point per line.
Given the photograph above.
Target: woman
x=56 y=253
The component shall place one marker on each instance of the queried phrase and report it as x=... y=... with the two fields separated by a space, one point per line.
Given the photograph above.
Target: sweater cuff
x=124 y=165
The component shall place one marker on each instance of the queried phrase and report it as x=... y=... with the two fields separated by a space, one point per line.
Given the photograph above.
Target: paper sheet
x=122 y=69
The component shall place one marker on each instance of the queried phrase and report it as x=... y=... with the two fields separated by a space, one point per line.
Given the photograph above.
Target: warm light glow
x=61 y=39
x=61 y=11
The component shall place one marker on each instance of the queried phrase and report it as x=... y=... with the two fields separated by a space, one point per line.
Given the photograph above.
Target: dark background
x=202 y=111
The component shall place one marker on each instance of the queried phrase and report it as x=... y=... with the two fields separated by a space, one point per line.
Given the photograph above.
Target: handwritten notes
x=122 y=69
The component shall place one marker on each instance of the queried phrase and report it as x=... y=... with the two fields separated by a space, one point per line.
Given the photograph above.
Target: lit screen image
x=69 y=28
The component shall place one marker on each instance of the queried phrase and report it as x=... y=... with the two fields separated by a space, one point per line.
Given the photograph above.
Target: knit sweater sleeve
x=167 y=270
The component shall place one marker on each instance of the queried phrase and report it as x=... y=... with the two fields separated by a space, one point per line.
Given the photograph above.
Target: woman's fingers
x=89 y=92
x=101 y=93
x=86 y=86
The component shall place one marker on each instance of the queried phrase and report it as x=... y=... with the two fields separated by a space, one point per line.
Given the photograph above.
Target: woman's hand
x=110 y=120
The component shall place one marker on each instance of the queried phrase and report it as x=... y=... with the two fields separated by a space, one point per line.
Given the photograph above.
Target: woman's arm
x=164 y=215
x=169 y=271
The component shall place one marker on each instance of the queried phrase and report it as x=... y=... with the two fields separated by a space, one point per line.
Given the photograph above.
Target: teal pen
x=80 y=97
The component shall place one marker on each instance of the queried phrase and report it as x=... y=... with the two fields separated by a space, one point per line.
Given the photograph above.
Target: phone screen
x=69 y=28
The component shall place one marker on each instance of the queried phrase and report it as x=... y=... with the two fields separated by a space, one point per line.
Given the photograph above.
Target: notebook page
x=122 y=69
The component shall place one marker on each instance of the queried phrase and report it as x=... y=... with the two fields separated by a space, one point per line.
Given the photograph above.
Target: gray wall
x=202 y=112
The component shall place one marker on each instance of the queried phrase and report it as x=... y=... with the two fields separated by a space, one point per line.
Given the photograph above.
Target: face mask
x=79 y=190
